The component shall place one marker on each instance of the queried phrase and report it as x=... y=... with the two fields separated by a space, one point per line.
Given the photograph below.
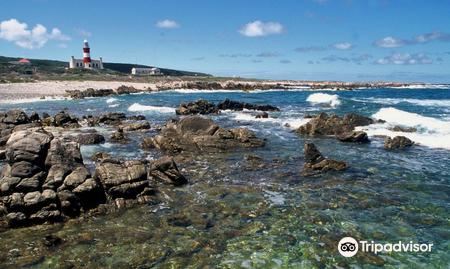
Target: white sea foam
x=292 y=123
x=114 y=105
x=33 y=100
x=423 y=86
x=331 y=100
x=111 y=100
x=394 y=101
x=161 y=109
x=296 y=89
x=431 y=132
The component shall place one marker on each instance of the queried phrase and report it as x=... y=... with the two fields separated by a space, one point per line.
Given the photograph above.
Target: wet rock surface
x=197 y=134
x=354 y=137
x=204 y=107
x=398 y=142
x=316 y=163
x=90 y=92
x=325 y=124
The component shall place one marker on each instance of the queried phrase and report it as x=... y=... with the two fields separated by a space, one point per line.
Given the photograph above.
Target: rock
x=239 y=106
x=263 y=115
x=16 y=219
x=398 y=142
x=195 y=133
x=324 y=124
x=99 y=156
x=89 y=139
x=135 y=126
x=15 y=202
x=354 y=136
x=119 y=136
x=32 y=199
x=51 y=240
x=74 y=179
x=63 y=119
x=198 y=107
x=28 y=145
x=90 y=92
x=126 y=90
x=166 y=171
x=398 y=128
x=315 y=163
x=2 y=154
x=24 y=169
x=90 y=193
x=112 y=118
x=31 y=184
x=118 y=177
x=15 y=117
x=69 y=203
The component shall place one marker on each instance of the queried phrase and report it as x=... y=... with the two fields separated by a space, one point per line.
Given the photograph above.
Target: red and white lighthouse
x=86 y=53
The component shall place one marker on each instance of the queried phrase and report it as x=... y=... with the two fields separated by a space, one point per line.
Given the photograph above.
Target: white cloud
x=390 y=42
x=405 y=59
x=84 y=33
x=14 y=31
x=259 y=28
x=343 y=46
x=167 y=24
x=424 y=38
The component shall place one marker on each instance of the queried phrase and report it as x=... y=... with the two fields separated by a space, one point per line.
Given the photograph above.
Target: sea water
x=270 y=216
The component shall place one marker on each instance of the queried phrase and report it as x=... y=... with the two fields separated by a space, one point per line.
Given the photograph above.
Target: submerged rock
x=316 y=163
x=119 y=136
x=165 y=170
x=239 y=106
x=194 y=133
x=354 y=136
x=398 y=142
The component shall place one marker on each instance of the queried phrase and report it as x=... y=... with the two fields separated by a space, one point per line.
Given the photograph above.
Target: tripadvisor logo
x=348 y=247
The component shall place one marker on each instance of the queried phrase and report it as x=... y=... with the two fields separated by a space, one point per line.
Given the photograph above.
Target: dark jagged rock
x=165 y=170
x=15 y=117
x=239 y=106
x=61 y=119
x=90 y=92
x=127 y=90
x=263 y=115
x=398 y=128
x=398 y=142
x=195 y=133
x=89 y=139
x=316 y=163
x=113 y=118
x=354 y=136
x=135 y=126
x=324 y=124
x=119 y=136
x=198 y=107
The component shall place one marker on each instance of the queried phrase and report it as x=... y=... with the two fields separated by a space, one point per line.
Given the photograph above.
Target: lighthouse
x=86 y=54
x=86 y=62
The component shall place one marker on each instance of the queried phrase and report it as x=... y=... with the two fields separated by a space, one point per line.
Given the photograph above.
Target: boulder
x=61 y=119
x=166 y=171
x=89 y=139
x=316 y=163
x=195 y=133
x=398 y=142
x=90 y=92
x=354 y=136
x=324 y=124
x=119 y=136
x=135 y=126
x=398 y=128
x=15 y=117
x=127 y=90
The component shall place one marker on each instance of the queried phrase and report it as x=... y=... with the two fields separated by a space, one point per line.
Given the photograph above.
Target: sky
x=346 y=40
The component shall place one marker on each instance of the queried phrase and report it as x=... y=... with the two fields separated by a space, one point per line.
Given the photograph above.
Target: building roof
x=24 y=61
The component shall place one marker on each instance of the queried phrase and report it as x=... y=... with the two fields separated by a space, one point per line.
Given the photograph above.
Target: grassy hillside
x=39 y=69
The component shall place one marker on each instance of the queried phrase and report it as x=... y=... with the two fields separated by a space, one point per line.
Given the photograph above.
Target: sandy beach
x=32 y=91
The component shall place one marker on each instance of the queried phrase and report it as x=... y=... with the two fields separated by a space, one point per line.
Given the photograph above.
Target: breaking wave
x=395 y=101
x=292 y=123
x=331 y=100
x=161 y=109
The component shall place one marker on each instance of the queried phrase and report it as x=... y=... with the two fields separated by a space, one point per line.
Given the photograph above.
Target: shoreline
x=26 y=92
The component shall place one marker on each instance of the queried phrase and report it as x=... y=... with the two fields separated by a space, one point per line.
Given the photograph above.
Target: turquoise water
x=237 y=214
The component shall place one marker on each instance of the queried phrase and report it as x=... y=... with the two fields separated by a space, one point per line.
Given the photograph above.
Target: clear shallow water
x=240 y=215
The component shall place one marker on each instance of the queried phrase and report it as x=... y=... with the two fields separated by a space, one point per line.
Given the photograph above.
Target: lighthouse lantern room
x=86 y=62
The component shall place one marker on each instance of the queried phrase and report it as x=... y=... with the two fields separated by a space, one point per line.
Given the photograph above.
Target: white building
x=86 y=62
x=145 y=71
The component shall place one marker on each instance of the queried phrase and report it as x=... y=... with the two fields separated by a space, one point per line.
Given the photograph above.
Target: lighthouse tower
x=86 y=55
x=86 y=62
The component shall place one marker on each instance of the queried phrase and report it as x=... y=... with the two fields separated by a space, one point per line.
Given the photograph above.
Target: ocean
x=271 y=216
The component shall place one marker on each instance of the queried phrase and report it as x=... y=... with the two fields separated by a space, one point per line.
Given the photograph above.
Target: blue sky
x=403 y=40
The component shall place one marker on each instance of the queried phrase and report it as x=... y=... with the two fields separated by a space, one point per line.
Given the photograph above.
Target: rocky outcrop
x=204 y=107
x=398 y=142
x=198 y=107
x=39 y=167
x=44 y=179
x=61 y=119
x=135 y=126
x=239 y=106
x=112 y=118
x=324 y=124
x=197 y=134
x=354 y=136
x=91 y=92
x=316 y=163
